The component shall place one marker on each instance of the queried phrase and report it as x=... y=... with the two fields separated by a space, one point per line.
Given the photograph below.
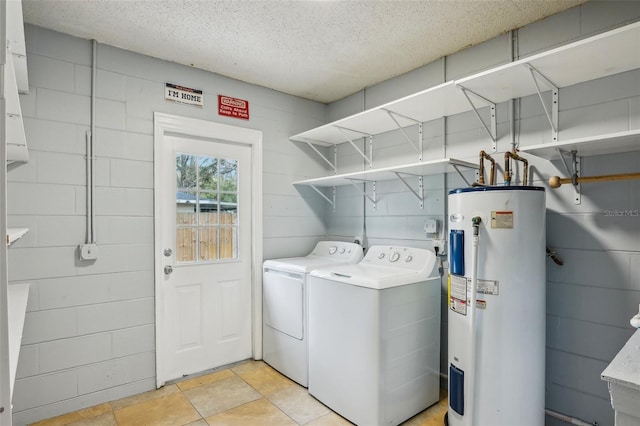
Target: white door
x=204 y=316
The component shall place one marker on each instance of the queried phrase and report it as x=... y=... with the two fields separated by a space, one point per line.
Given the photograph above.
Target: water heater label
x=458 y=301
x=502 y=219
x=487 y=287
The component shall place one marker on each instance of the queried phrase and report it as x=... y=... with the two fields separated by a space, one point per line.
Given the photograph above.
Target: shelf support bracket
x=555 y=95
x=493 y=132
x=573 y=171
x=418 y=149
x=362 y=154
x=333 y=165
x=455 y=166
x=330 y=201
x=419 y=194
x=371 y=197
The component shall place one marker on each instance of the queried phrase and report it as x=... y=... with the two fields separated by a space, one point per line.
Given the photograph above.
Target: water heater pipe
x=507 y=171
x=492 y=172
x=472 y=317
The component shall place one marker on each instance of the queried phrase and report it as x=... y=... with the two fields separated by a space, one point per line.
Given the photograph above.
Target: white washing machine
x=285 y=319
x=374 y=335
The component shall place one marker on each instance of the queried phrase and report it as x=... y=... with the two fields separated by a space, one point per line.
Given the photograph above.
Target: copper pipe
x=557 y=181
x=492 y=172
x=507 y=171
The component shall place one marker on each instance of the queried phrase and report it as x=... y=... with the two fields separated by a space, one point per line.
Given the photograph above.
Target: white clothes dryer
x=285 y=319
x=374 y=335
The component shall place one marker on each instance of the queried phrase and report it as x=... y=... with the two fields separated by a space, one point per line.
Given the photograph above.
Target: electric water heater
x=496 y=299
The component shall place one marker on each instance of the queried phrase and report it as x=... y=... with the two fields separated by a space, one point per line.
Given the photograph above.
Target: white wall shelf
x=17 y=295
x=599 y=56
x=594 y=57
x=610 y=143
x=430 y=104
x=17 y=45
x=443 y=165
x=13 y=298
x=14 y=234
x=16 y=137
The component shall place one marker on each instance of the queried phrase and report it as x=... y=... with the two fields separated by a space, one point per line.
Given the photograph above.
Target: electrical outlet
x=440 y=244
x=431 y=226
x=89 y=251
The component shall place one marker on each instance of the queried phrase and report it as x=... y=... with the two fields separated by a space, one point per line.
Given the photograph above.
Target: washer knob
x=333 y=250
x=394 y=257
x=381 y=256
x=409 y=258
x=342 y=250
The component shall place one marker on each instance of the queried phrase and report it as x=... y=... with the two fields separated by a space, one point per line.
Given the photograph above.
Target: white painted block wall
x=591 y=298
x=89 y=331
x=74 y=355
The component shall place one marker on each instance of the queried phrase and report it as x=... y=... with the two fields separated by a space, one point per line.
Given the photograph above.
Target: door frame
x=164 y=124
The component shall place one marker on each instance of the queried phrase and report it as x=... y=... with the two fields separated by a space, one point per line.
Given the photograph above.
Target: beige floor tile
x=266 y=380
x=260 y=412
x=75 y=416
x=200 y=422
x=106 y=419
x=222 y=395
x=331 y=419
x=147 y=396
x=296 y=402
x=247 y=366
x=432 y=416
x=203 y=380
x=173 y=409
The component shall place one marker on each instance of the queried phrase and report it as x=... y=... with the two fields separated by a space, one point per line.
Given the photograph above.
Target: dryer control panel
x=340 y=250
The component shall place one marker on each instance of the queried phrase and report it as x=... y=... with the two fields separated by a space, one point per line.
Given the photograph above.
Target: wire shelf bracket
x=334 y=165
x=573 y=171
x=419 y=194
x=372 y=198
x=418 y=148
x=369 y=159
x=493 y=132
x=331 y=201
x=555 y=96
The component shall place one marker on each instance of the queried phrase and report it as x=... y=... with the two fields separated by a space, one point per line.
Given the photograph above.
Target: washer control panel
x=410 y=258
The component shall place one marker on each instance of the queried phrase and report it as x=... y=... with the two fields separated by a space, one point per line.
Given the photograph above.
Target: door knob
x=168 y=269
x=168 y=252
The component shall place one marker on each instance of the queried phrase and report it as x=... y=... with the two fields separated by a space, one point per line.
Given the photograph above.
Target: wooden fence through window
x=209 y=228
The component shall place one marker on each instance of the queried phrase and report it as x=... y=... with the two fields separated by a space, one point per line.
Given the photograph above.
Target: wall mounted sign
x=183 y=95
x=233 y=107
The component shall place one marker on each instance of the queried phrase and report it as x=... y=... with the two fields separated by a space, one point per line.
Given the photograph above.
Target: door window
x=206 y=209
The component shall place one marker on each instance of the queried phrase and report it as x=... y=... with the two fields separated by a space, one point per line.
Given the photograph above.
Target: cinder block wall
x=89 y=330
x=591 y=298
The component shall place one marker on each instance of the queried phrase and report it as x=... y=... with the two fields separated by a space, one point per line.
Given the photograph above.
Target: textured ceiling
x=320 y=50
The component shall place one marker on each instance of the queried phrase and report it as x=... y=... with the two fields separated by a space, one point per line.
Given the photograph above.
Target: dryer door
x=284 y=301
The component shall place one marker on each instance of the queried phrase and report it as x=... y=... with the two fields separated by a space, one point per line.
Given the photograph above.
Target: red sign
x=233 y=107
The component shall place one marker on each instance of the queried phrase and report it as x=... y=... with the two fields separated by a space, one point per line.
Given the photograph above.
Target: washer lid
x=325 y=253
x=384 y=267
x=372 y=276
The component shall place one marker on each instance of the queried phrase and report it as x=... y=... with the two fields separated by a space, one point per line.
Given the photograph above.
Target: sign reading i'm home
x=233 y=107
x=184 y=95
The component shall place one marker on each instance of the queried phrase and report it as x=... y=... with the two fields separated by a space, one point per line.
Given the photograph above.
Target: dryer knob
x=394 y=257
x=333 y=250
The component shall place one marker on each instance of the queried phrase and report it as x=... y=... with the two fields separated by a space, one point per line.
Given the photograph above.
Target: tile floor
x=247 y=393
